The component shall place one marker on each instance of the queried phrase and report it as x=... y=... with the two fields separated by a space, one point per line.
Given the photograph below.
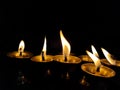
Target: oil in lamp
x=96 y=71
x=68 y=63
x=19 y=58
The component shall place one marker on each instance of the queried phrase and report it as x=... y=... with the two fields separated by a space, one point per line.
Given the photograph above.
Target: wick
x=98 y=69
x=43 y=57
x=20 y=52
x=65 y=58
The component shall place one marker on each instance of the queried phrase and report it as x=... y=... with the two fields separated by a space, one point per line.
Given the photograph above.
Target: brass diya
x=103 y=71
x=43 y=57
x=96 y=68
x=68 y=68
x=21 y=54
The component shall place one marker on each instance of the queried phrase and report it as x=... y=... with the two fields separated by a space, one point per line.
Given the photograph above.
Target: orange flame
x=108 y=56
x=94 y=51
x=95 y=59
x=65 y=46
x=44 y=48
x=21 y=46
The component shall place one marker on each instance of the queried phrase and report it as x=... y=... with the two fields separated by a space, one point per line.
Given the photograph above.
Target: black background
x=83 y=24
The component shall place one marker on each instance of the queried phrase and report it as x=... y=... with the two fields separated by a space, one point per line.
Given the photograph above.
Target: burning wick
x=65 y=47
x=109 y=57
x=98 y=69
x=43 y=54
x=95 y=59
x=20 y=52
x=43 y=57
x=21 y=48
x=65 y=58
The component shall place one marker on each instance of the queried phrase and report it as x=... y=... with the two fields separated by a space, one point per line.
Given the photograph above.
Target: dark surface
x=83 y=24
x=17 y=74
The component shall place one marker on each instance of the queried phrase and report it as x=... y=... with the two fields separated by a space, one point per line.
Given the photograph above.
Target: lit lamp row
x=95 y=68
x=43 y=57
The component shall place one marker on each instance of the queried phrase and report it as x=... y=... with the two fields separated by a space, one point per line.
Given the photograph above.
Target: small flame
x=44 y=48
x=95 y=59
x=21 y=47
x=108 y=56
x=94 y=51
x=65 y=45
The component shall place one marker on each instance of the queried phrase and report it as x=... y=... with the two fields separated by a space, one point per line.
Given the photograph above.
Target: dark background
x=83 y=24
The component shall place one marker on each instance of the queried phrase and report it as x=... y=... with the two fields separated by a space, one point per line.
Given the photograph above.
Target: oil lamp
x=20 y=57
x=68 y=63
x=41 y=64
x=96 y=71
x=19 y=61
x=43 y=57
x=96 y=68
x=20 y=54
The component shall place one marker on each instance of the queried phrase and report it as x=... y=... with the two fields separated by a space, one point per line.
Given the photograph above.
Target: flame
x=66 y=46
x=108 y=56
x=95 y=59
x=94 y=51
x=44 y=48
x=21 y=46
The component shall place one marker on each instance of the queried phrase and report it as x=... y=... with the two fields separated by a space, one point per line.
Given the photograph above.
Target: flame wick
x=108 y=57
x=20 y=52
x=94 y=51
x=43 y=53
x=95 y=59
x=65 y=58
x=43 y=56
x=98 y=69
x=21 y=48
x=66 y=47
